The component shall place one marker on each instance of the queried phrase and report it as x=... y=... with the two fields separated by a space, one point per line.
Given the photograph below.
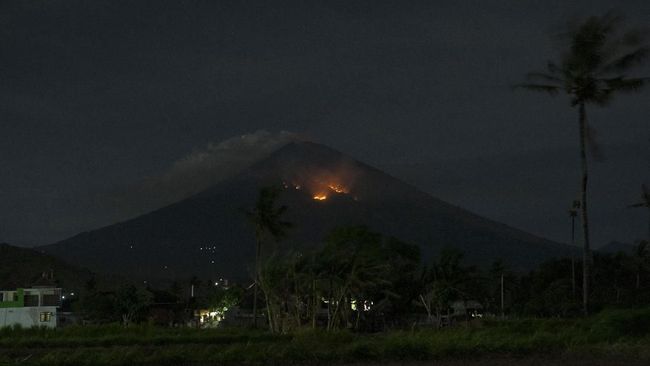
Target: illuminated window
x=46 y=316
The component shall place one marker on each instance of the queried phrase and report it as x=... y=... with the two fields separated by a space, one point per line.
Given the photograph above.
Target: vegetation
x=362 y=281
x=614 y=333
x=268 y=224
x=592 y=70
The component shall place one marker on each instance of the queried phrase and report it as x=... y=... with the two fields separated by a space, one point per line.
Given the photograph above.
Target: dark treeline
x=363 y=281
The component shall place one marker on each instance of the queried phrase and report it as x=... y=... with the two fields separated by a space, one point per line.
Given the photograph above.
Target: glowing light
x=338 y=188
x=320 y=197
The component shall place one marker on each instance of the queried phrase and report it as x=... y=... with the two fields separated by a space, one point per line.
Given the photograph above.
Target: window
x=31 y=300
x=46 y=316
x=51 y=300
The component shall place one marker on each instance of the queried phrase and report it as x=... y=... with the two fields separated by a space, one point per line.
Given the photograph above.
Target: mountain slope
x=24 y=267
x=207 y=234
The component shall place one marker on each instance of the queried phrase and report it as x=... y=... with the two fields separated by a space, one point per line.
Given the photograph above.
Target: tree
x=95 y=305
x=641 y=260
x=546 y=291
x=355 y=271
x=591 y=71
x=447 y=281
x=267 y=222
x=404 y=273
x=645 y=202
x=130 y=302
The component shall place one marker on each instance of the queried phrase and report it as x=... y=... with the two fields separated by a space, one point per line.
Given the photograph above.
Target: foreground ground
x=612 y=338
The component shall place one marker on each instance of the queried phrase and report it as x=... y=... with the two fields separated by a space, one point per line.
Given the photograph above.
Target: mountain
x=614 y=247
x=208 y=235
x=24 y=267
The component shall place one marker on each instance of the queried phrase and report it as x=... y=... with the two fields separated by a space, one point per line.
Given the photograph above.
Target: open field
x=620 y=337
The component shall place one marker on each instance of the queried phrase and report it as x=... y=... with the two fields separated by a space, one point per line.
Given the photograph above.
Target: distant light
x=63 y=297
x=72 y=294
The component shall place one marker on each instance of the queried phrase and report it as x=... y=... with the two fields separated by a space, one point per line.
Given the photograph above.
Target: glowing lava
x=338 y=188
x=320 y=197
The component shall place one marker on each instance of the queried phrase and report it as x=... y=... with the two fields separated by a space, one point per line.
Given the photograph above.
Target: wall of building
x=12 y=299
x=28 y=317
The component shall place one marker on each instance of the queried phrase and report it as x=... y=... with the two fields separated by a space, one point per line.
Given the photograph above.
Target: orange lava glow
x=338 y=188
x=320 y=197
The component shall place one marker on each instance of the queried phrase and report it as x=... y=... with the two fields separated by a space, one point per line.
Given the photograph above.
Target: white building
x=30 y=307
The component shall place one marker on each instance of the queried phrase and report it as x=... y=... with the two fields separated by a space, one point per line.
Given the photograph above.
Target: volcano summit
x=208 y=235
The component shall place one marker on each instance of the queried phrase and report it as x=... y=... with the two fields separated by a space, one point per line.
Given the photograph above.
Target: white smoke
x=198 y=171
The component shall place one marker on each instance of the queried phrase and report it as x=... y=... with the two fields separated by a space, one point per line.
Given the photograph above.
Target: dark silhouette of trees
x=446 y=281
x=358 y=275
x=267 y=222
x=131 y=302
x=641 y=260
x=591 y=71
x=645 y=202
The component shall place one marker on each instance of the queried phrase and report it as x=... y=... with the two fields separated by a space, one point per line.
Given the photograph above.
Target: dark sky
x=98 y=96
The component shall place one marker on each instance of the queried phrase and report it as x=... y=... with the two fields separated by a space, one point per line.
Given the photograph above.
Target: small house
x=30 y=307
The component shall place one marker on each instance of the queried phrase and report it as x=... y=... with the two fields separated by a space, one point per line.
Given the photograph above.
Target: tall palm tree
x=645 y=202
x=641 y=260
x=591 y=71
x=267 y=222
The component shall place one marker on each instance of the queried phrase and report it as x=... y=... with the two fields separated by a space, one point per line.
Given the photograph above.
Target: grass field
x=616 y=337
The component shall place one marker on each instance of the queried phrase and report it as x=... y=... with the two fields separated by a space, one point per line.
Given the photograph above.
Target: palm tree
x=268 y=224
x=641 y=260
x=645 y=202
x=592 y=71
x=573 y=212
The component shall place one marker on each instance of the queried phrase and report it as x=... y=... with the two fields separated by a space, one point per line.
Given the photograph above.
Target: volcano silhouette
x=208 y=235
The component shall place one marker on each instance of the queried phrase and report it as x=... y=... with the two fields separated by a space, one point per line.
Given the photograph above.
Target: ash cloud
x=196 y=172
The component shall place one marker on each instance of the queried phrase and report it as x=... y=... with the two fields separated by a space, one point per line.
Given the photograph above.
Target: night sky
x=102 y=100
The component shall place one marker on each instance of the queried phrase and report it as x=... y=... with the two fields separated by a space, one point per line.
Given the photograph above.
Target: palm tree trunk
x=314 y=306
x=503 y=312
x=649 y=221
x=257 y=281
x=586 y=252
x=270 y=313
x=573 y=260
x=427 y=307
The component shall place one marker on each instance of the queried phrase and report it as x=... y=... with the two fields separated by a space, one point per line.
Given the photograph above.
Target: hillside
x=207 y=234
x=24 y=267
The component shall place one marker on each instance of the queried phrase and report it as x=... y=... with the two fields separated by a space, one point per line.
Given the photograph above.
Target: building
x=30 y=307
